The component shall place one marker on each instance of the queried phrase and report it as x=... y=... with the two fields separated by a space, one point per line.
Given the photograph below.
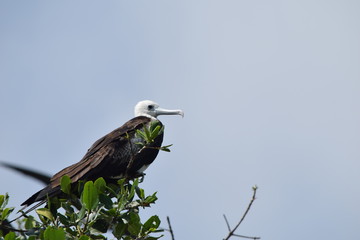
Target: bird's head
x=151 y=109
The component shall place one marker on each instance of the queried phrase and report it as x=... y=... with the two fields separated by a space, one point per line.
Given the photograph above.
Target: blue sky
x=270 y=90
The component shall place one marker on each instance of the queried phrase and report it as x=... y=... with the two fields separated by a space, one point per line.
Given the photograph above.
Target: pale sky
x=270 y=90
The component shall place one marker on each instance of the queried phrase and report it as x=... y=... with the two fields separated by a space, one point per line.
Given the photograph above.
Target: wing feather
x=100 y=153
x=109 y=153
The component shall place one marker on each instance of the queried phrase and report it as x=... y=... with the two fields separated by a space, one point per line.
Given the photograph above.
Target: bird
x=119 y=154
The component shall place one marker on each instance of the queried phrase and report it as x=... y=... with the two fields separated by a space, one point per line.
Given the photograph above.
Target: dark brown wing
x=104 y=154
x=100 y=150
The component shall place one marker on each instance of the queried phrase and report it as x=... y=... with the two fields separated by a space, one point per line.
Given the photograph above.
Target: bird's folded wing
x=78 y=170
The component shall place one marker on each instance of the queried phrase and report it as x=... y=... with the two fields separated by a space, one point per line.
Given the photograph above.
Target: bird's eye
x=150 y=107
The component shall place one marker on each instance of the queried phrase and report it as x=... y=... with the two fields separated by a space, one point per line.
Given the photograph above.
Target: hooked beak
x=162 y=111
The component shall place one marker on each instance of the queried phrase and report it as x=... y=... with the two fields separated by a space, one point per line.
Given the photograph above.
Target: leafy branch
x=101 y=208
x=88 y=210
x=149 y=134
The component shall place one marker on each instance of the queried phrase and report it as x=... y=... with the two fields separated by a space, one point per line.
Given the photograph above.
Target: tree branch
x=227 y=223
x=170 y=228
x=232 y=232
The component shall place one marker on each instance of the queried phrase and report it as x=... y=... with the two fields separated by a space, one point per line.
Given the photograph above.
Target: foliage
x=95 y=210
x=148 y=134
x=88 y=210
x=111 y=208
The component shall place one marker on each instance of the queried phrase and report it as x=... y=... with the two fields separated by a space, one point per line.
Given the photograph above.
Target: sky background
x=270 y=90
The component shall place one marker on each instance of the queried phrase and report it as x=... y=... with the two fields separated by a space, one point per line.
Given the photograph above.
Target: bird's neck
x=149 y=116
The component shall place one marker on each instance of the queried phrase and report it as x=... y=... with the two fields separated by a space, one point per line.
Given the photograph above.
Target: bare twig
x=248 y=237
x=227 y=223
x=232 y=232
x=170 y=228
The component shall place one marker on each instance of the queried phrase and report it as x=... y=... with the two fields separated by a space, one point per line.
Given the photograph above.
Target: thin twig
x=232 y=232
x=170 y=228
x=227 y=223
x=242 y=236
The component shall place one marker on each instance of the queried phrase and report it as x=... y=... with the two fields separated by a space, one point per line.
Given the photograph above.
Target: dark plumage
x=109 y=157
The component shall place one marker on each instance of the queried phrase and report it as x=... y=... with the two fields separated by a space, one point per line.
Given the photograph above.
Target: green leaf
x=154 y=238
x=106 y=201
x=100 y=185
x=30 y=223
x=45 y=213
x=151 y=224
x=112 y=212
x=132 y=189
x=121 y=182
x=140 y=193
x=151 y=199
x=154 y=124
x=65 y=184
x=6 y=212
x=10 y=236
x=2 y=198
x=101 y=225
x=165 y=148
x=119 y=229
x=54 y=204
x=147 y=134
x=63 y=219
x=141 y=134
x=68 y=208
x=155 y=128
x=90 y=196
x=134 y=225
x=52 y=233
x=155 y=132
x=81 y=213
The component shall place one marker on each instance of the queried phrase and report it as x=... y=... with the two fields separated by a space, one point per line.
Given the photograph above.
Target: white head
x=151 y=109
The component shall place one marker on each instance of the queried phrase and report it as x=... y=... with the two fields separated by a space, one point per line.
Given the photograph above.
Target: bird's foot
x=141 y=177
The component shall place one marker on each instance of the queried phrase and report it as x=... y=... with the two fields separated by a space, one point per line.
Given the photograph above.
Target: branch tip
x=232 y=232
